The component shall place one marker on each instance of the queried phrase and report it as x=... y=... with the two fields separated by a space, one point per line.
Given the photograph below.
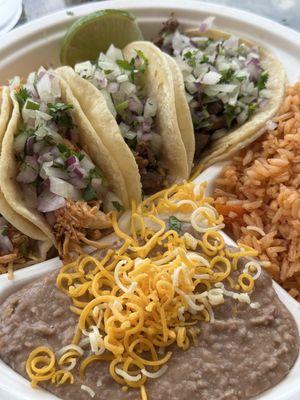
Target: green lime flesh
x=94 y=33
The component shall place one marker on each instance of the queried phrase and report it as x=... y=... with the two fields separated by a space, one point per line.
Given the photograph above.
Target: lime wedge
x=93 y=33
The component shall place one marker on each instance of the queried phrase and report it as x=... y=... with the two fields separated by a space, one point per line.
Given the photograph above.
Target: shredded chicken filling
x=79 y=223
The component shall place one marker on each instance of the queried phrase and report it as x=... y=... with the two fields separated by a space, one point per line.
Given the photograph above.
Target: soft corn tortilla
x=88 y=140
x=94 y=106
x=184 y=117
x=159 y=86
x=224 y=147
x=16 y=220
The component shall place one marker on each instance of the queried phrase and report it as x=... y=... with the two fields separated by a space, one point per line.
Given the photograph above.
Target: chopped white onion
x=211 y=78
x=48 y=202
x=6 y=245
x=64 y=189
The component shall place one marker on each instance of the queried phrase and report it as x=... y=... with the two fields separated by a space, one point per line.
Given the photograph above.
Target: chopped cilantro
x=175 y=224
x=202 y=124
x=89 y=193
x=94 y=173
x=204 y=44
x=124 y=64
x=230 y=114
x=262 y=80
x=4 y=231
x=221 y=50
x=132 y=67
x=58 y=112
x=117 y=206
x=251 y=109
x=121 y=106
x=24 y=249
x=32 y=105
x=67 y=152
x=144 y=59
x=21 y=96
x=59 y=107
x=132 y=143
x=190 y=56
x=227 y=76
x=204 y=59
x=166 y=34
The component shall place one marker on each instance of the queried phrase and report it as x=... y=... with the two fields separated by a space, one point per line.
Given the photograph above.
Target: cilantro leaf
x=117 y=206
x=141 y=61
x=132 y=143
x=58 y=112
x=66 y=152
x=32 y=105
x=121 y=106
x=4 y=231
x=227 y=76
x=190 y=56
x=124 y=64
x=251 y=109
x=24 y=249
x=89 y=193
x=230 y=114
x=94 y=173
x=204 y=59
x=175 y=224
x=136 y=64
x=262 y=80
x=21 y=96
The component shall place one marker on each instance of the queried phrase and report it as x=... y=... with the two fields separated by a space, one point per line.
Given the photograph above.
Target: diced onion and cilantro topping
x=121 y=83
x=224 y=80
x=52 y=167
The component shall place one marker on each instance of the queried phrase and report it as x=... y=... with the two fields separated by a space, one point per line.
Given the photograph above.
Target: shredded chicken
x=21 y=254
x=79 y=223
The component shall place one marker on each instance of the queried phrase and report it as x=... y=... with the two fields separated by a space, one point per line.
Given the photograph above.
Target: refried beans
x=243 y=353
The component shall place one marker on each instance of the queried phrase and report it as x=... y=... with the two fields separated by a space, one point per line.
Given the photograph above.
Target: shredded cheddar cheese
x=148 y=294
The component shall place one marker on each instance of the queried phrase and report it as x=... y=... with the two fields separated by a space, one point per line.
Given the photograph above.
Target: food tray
x=38 y=43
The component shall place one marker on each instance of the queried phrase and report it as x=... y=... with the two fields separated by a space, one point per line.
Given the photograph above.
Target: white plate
x=38 y=43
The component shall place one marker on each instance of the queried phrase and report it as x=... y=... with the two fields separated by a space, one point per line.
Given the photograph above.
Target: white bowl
x=38 y=43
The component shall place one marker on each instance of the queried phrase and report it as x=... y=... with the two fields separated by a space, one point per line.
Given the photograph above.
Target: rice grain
x=264 y=181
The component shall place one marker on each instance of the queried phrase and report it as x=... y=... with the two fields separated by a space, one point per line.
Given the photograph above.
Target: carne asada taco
x=232 y=87
x=129 y=99
x=55 y=171
x=21 y=243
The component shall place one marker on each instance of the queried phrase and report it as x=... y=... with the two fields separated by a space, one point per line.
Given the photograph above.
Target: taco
x=21 y=243
x=232 y=88
x=129 y=99
x=54 y=171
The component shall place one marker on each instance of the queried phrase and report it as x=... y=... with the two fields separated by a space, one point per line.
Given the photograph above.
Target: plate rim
x=79 y=10
x=31 y=28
